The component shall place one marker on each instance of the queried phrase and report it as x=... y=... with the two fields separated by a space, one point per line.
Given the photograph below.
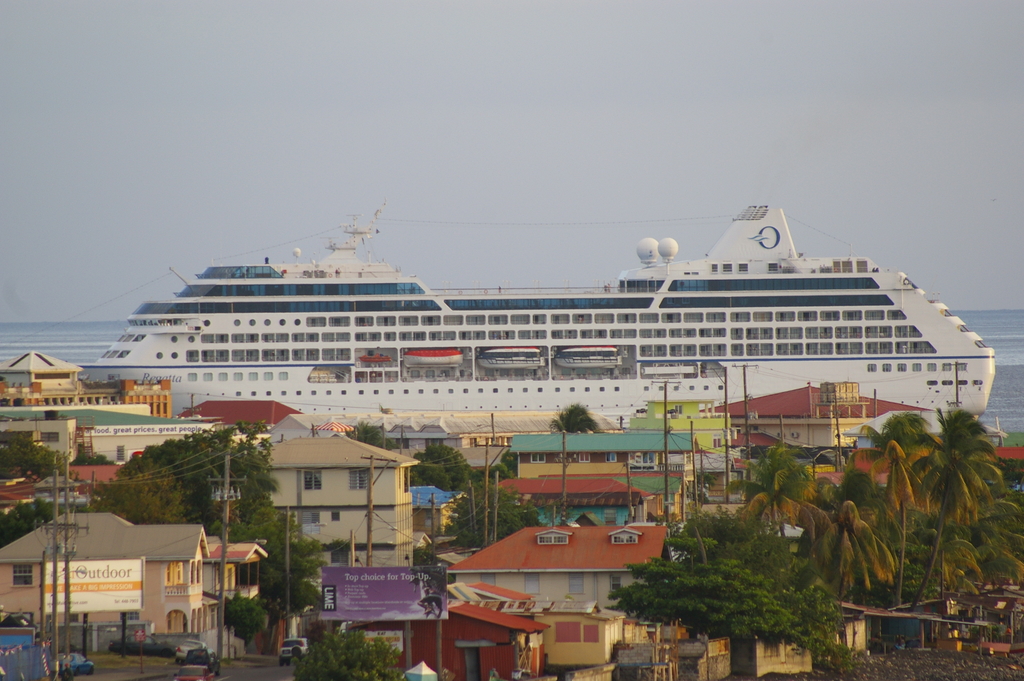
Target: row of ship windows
x=674 y=350
x=762 y=333
x=594 y=318
x=788 y=349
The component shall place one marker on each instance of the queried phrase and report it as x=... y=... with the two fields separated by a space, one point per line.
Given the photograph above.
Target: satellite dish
x=667 y=249
x=647 y=251
x=297 y=253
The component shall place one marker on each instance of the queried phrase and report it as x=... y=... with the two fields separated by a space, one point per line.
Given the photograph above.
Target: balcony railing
x=183 y=590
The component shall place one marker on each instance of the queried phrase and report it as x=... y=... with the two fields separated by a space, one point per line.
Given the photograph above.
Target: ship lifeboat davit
x=433 y=357
x=375 y=359
x=599 y=357
x=510 y=357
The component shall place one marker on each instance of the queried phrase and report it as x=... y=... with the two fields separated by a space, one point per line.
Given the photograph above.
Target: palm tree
x=958 y=477
x=901 y=443
x=846 y=547
x=574 y=418
x=370 y=434
x=780 y=488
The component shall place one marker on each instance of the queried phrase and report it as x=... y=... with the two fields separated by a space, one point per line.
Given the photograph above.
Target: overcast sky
x=137 y=136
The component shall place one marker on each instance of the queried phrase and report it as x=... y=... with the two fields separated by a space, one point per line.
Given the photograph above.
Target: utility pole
x=69 y=549
x=631 y=517
x=55 y=582
x=839 y=436
x=693 y=466
x=495 y=526
x=664 y=428
x=746 y=416
x=225 y=495
x=369 y=516
x=565 y=470
x=288 y=569
x=433 y=528
x=725 y=432
x=487 y=476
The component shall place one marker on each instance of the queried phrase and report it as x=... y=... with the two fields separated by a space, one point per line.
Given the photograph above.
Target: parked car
x=149 y=647
x=292 y=649
x=193 y=672
x=80 y=665
x=205 y=657
x=182 y=650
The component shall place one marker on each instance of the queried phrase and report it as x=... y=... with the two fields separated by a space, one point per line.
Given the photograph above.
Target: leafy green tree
x=722 y=598
x=902 y=442
x=441 y=466
x=306 y=561
x=142 y=493
x=367 y=433
x=751 y=541
x=20 y=457
x=246 y=615
x=816 y=616
x=23 y=519
x=958 y=477
x=91 y=460
x=780 y=488
x=180 y=473
x=574 y=418
x=349 y=656
x=467 y=523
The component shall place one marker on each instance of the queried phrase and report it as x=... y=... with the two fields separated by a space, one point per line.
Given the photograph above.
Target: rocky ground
x=920 y=665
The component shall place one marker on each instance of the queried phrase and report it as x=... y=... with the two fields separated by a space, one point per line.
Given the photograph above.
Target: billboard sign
x=99 y=585
x=393 y=594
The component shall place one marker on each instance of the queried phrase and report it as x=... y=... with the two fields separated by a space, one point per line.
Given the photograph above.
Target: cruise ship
x=348 y=333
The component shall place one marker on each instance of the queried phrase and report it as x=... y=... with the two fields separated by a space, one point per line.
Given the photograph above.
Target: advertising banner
x=98 y=585
x=386 y=594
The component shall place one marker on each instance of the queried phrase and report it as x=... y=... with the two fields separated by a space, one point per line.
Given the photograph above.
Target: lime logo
x=768 y=237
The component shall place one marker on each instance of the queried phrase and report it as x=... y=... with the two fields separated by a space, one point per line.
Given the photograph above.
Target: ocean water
x=1002 y=329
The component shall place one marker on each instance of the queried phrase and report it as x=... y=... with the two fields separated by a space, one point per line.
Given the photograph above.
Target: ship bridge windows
x=908 y=332
x=878 y=347
x=550 y=304
x=914 y=348
x=773 y=284
x=640 y=285
x=241 y=272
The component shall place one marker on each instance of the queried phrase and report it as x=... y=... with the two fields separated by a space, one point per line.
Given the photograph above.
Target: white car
x=292 y=649
x=182 y=650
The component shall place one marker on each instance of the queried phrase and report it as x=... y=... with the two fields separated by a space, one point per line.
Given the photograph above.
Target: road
x=257 y=674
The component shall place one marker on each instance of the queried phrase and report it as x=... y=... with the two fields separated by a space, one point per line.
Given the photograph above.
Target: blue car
x=80 y=665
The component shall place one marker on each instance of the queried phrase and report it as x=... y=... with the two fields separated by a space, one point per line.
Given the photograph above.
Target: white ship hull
x=278 y=332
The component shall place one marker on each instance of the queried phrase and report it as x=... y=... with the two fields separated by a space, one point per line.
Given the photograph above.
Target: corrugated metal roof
x=106 y=536
x=441 y=421
x=589 y=548
x=331 y=451
x=105 y=417
x=513 y=622
x=601 y=442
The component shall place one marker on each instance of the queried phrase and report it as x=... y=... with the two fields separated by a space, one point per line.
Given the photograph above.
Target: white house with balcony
x=330 y=483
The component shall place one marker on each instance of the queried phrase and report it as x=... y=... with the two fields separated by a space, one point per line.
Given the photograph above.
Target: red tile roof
x=588 y=547
x=513 y=622
x=233 y=411
x=805 y=402
x=104 y=473
x=1010 y=452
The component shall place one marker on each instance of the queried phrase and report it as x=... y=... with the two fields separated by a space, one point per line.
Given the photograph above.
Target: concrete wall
x=754 y=657
x=602 y=673
x=704 y=662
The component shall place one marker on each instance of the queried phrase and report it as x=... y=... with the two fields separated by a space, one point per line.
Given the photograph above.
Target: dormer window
x=553 y=537
x=625 y=536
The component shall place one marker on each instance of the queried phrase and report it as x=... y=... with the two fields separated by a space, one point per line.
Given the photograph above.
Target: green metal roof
x=601 y=442
x=99 y=417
